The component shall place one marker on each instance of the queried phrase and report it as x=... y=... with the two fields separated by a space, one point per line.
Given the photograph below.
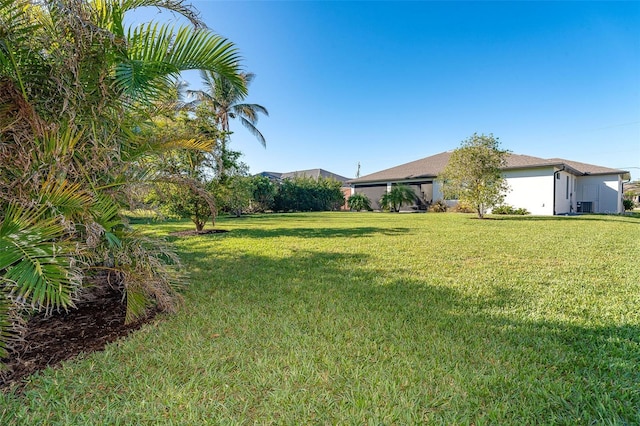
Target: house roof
x=270 y=175
x=311 y=173
x=431 y=167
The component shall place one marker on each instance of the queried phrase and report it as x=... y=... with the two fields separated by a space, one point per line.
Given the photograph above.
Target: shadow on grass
x=319 y=232
x=578 y=374
x=589 y=218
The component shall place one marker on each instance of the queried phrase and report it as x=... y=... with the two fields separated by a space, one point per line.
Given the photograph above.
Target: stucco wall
x=603 y=191
x=565 y=192
x=373 y=191
x=531 y=189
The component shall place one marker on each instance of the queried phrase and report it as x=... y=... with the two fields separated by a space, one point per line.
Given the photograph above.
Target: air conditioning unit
x=585 y=206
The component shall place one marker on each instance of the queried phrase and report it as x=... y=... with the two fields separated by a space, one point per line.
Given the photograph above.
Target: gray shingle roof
x=311 y=173
x=315 y=174
x=431 y=167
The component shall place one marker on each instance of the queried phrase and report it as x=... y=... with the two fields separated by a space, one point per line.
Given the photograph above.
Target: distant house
x=632 y=191
x=542 y=186
x=311 y=173
x=314 y=174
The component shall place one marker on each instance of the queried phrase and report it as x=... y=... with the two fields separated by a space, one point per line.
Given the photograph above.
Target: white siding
x=531 y=189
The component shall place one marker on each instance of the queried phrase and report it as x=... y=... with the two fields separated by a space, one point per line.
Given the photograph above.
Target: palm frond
x=16 y=28
x=6 y=323
x=150 y=274
x=34 y=260
x=106 y=213
x=249 y=111
x=206 y=145
x=177 y=6
x=254 y=130
x=203 y=50
x=64 y=198
x=158 y=52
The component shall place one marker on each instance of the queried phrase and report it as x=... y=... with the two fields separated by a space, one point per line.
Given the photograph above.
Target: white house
x=542 y=186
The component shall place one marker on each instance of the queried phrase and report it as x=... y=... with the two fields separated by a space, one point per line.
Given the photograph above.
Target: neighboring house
x=632 y=191
x=542 y=186
x=311 y=173
x=314 y=174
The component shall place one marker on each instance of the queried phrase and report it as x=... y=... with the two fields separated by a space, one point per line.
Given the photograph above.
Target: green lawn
x=371 y=318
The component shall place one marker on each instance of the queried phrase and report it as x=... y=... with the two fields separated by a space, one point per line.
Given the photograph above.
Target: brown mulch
x=47 y=341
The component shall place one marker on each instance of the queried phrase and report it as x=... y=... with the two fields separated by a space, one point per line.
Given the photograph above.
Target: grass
x=364 y=318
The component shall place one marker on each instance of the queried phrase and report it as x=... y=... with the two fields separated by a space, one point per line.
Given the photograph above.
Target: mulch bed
x=47 y=341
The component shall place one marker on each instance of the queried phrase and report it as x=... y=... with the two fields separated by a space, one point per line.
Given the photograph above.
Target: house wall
x=565 y=193
x=423 y=189
x=373 y=191
x=603 y=191
x=531 y=189
x=346 y=192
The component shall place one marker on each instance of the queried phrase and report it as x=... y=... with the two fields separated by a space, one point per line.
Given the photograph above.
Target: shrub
x=627 y=204
x=359 y=202
x=463 y=207
x=507 y=209
x=439 y=206
x=308 y=194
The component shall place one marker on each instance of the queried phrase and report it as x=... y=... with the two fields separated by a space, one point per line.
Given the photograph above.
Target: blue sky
x=384 y=83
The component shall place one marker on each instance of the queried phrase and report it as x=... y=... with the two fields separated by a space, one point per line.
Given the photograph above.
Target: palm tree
x=74 y=90
x=359 y=202
x=225 y=101
x=397 y=197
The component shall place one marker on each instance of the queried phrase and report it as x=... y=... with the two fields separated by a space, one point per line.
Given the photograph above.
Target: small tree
x=474 y=174
x=182 y=175
x=397 y=197
x=359 y=202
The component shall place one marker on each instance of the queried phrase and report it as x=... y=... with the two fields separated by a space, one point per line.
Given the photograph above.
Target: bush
x=627 y=204
x=463 y=207
x=264 y=192
x=439 y=206
x=359 y=202
x=304 y=194
x=506 y=209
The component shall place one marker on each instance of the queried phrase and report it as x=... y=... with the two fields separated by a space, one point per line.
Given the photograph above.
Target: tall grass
x=364 y=318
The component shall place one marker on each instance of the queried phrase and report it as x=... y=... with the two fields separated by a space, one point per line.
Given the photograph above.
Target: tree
x=225 y=101
x=75 y=90
x=474 y=173
x=264 y=192
x=181 y=188
x=183 y=175
x=398 y=196
x=236 y=195
x=359 y=202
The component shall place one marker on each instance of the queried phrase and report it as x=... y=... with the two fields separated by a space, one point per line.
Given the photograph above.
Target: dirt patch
x=192 y=233
x=47 y=341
